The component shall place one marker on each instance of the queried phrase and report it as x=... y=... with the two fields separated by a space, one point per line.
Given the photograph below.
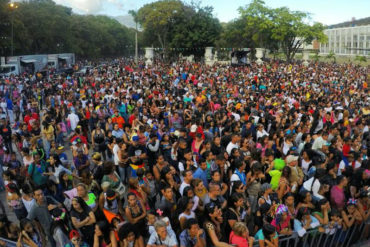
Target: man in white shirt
x=320 y=141
x=161 y=237
x=188 y=176
x=73 y=119
x=233 y=144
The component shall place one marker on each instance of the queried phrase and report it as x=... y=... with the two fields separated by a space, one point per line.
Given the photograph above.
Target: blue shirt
x=298 y=226
x=9 y=104
x=201 y=174
x=118 y=133
x=259 y=235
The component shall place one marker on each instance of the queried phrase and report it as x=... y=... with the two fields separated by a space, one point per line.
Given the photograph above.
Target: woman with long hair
x=59 y=227
x=104 y=236
x=15 y=203
x=83 y=219
x=29 y=234
x=213 y=226
x=185 y=212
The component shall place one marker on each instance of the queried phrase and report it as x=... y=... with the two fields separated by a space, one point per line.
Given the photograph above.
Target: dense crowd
x=184 y=154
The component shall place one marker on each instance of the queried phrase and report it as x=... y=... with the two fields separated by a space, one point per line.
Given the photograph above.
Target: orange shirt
x=118 y=120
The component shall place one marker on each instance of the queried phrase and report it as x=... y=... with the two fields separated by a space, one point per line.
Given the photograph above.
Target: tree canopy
x=274 y=29
x=174 y=24
x=45 y=27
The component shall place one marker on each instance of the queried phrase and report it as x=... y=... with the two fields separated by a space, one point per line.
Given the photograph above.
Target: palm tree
x=331 y=55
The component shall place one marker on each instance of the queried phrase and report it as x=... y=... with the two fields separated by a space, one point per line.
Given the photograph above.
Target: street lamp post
x=13 y=6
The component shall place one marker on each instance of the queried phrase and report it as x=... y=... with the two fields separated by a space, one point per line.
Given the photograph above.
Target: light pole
x=12 y=6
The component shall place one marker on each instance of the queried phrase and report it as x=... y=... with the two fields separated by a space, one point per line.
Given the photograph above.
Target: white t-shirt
x=73 y=119
x=230 y=147
x=115 y=153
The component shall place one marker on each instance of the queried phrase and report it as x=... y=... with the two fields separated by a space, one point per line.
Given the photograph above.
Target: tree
x=257 y=24
x=331 y=55
x=291 y=31
x=158 y=19
x=44 y=27
x=178 y=25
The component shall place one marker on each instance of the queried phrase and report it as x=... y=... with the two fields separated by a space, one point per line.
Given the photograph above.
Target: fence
x=332 y=238
x=9 y=243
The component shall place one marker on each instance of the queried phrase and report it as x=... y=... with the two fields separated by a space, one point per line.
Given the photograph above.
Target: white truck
x=17 y=65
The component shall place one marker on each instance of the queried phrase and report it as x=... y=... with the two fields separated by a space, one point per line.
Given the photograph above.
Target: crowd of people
x=184 y=154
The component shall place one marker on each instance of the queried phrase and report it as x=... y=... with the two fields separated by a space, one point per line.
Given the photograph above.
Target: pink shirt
x=337 y=197
x=237 y=240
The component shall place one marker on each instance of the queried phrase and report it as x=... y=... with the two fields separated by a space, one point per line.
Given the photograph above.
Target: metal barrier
x=9 y=243
x=332 y=238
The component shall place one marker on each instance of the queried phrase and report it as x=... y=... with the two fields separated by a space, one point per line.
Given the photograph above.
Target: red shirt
x=237 y=240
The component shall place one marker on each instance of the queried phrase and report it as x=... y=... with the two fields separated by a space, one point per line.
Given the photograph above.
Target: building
x=348 y=38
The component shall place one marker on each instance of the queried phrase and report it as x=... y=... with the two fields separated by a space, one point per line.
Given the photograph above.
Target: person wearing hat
x=76 y=240
x=296 y=174
x=109 y=201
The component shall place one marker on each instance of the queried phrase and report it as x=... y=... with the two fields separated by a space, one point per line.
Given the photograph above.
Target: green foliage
x=174 y=24
x=274 y=29
x=44 y=27
x=361 y=58
x=331 y=56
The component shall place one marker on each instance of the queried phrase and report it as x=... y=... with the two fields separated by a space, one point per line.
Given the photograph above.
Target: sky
x=325 y=11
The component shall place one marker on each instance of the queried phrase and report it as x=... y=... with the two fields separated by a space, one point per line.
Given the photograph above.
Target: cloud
x=90 y=6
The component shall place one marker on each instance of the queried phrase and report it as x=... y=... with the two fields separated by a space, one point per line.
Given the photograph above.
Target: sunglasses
x=76 y=239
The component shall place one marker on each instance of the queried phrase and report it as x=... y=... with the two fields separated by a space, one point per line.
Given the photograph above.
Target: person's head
x=131 y=199
x=238 y=187
x=38 y=194
x=281 y=213
x=291 y=160
x=192 y=226
x=303 y=213
x=268 y=231
x=168 y=192
x=188 y=175
x=185 y=204
x=26 y=225
x=351 y=205
x=133 y=183
x=305 y=197
x=212 y=211
x=160 y=159
x=102 y=229
x=237 y=200
x=286 y=172
x=96 y=158
x=266 y=188
x=289 y=199
x=81 y=190
x=127 y=232
x=161 y=228
x=342 y=181
x=78 y=204
x=75 y=237
x=108 y=167
x=240 y=229
x=214 y=189
x=334 y=214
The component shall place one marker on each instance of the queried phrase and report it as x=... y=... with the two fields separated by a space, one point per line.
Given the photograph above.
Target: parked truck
x=17 y=65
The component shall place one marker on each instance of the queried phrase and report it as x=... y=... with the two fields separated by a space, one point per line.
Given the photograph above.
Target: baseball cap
x=291 y=158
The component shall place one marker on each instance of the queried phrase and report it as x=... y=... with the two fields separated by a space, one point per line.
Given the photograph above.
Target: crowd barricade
x=332 y=238
x=9 y=243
